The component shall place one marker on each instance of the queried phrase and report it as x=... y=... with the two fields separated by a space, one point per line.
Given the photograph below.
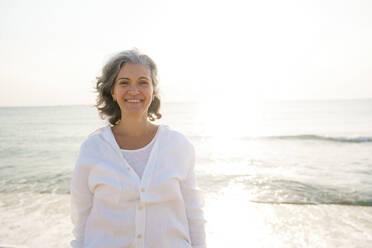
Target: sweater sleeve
x=194 y=202
x=81 y=199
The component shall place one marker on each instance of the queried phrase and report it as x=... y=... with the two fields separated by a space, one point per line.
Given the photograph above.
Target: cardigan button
x=139 y=236
x=143 y=190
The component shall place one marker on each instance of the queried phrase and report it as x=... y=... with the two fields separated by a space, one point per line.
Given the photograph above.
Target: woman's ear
x=112 y=94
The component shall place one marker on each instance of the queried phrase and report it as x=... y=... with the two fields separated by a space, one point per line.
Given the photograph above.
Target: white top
x=112 y=207
x=137 y=158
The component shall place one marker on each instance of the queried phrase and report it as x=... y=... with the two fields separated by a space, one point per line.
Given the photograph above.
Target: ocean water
x=274 y=174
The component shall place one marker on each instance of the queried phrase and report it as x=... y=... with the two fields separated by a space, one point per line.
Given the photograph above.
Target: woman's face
x=133 y=90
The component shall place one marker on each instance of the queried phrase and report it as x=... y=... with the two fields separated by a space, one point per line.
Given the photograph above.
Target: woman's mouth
x=133 y=101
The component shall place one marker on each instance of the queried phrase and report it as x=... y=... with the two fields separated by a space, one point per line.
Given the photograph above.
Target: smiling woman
x=133 y=183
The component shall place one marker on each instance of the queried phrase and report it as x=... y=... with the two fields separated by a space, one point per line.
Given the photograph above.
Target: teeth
x=133 y=100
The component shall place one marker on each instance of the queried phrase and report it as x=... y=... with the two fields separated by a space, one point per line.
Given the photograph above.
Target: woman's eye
x=144 y=82
x=123 y=83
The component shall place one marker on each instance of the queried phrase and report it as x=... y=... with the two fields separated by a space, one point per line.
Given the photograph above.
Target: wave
x=257 y=188
x=282 y=191
x=265 y=190
x=359 y=139
x=320 y=137
x=345 y=203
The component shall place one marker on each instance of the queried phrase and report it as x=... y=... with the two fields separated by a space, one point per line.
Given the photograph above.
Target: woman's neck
x=132 y=127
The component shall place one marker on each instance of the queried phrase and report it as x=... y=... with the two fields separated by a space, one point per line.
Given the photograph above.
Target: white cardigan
x=112 y=207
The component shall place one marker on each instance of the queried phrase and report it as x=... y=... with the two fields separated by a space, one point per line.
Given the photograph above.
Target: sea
x=295 y=173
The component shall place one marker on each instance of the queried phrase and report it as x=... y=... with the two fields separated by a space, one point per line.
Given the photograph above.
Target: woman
x=133 y=183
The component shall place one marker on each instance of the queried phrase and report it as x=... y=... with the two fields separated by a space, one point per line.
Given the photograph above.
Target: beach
x=43 y=222
x=284 y=174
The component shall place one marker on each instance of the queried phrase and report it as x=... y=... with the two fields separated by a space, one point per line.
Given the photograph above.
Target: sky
x=52 y=51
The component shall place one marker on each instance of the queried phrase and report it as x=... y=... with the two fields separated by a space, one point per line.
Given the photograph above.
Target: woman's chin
x=134 y=112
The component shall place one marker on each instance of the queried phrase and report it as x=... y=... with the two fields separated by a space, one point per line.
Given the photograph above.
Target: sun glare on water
x=231 y=119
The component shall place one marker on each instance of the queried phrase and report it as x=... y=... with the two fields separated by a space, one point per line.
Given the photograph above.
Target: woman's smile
x=133 y=100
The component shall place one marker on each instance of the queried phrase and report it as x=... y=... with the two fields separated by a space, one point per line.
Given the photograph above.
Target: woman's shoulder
x=95 y=137
x=175 y=137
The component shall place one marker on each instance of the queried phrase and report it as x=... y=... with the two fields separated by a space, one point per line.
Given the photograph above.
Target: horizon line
x=196 y=102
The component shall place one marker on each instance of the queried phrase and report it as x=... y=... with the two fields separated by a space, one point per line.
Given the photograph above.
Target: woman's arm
x=81 y=199
x=194 y=202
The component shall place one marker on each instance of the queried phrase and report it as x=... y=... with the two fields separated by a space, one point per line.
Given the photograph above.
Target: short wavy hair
x=105 y=104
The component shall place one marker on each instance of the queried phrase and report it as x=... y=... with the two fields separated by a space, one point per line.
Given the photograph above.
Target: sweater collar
x=107 y=134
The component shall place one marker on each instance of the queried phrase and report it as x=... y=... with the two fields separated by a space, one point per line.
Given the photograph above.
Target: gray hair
x=105 y=104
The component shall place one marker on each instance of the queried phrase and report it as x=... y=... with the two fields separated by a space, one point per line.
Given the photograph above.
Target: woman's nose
x=133 y=89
